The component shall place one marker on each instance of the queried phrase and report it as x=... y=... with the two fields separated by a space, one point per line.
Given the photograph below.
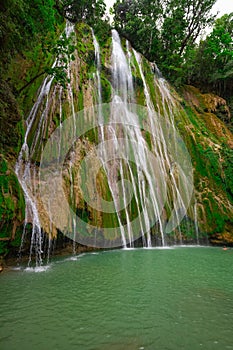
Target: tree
x=163 y=30
x=213 y=59
x=81 y=10
x=63 y=49
x=138 y=21
x=194 y=16
x=23 y=24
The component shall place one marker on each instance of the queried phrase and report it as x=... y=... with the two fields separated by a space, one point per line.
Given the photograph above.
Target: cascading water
x=72 y=196
x=152 y=177
x=196 y=221
x=168 y=108
x=121 y=71
x=180 y=198
x=111 y=132
x=26 y=169
x=98 y=85
x=124 y=93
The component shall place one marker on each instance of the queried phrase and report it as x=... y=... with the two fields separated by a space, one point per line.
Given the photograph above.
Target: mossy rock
x=9 y=118
x=11 y=206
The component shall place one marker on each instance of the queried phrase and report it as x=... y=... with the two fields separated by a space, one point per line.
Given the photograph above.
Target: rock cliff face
x=199 y=119
x=212 y=159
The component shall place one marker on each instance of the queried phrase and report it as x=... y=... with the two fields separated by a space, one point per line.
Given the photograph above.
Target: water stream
x=151 y=175
x=37 y=125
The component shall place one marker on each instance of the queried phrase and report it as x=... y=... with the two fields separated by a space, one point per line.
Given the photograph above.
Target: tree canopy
x=213 y=58
x=22 y=22
x=209 y=65
x=163 y=30
x=81 y=10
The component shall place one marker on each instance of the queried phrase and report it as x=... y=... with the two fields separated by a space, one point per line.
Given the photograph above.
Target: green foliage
x=82 y=10
x=213 y=169
x=4 y=250
x=28 y=32
x=164 y=31
x=17 y=239
x=211 y=64
x=138 y=20
x=11 y=206
x=22 y=24
x=228 y=169
x=63 y=49
x=215 y=217
x=102 y=30
x=106 y=90
x=9 y=117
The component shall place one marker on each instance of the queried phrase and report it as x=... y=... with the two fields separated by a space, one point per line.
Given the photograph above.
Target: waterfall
x=139 y=150
x=124 y=93
x=37 y=124
x=123 y=96
x=122 y=75
x=124 y=137
x=98 y=84
x=180 y=194
x=196 y=221
x=169 y=109
x=26 y=171
x=72 y=197
x=111 y=132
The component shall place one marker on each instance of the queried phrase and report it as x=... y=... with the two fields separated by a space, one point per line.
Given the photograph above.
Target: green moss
x=56 y=119
x=216 y=218
x=227 y=167
x=80 y=101
x=17 y=240
x=106 y=89
x=11 y=204
x=4 y=250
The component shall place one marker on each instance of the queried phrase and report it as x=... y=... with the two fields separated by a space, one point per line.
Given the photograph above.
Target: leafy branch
x=64 y=51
